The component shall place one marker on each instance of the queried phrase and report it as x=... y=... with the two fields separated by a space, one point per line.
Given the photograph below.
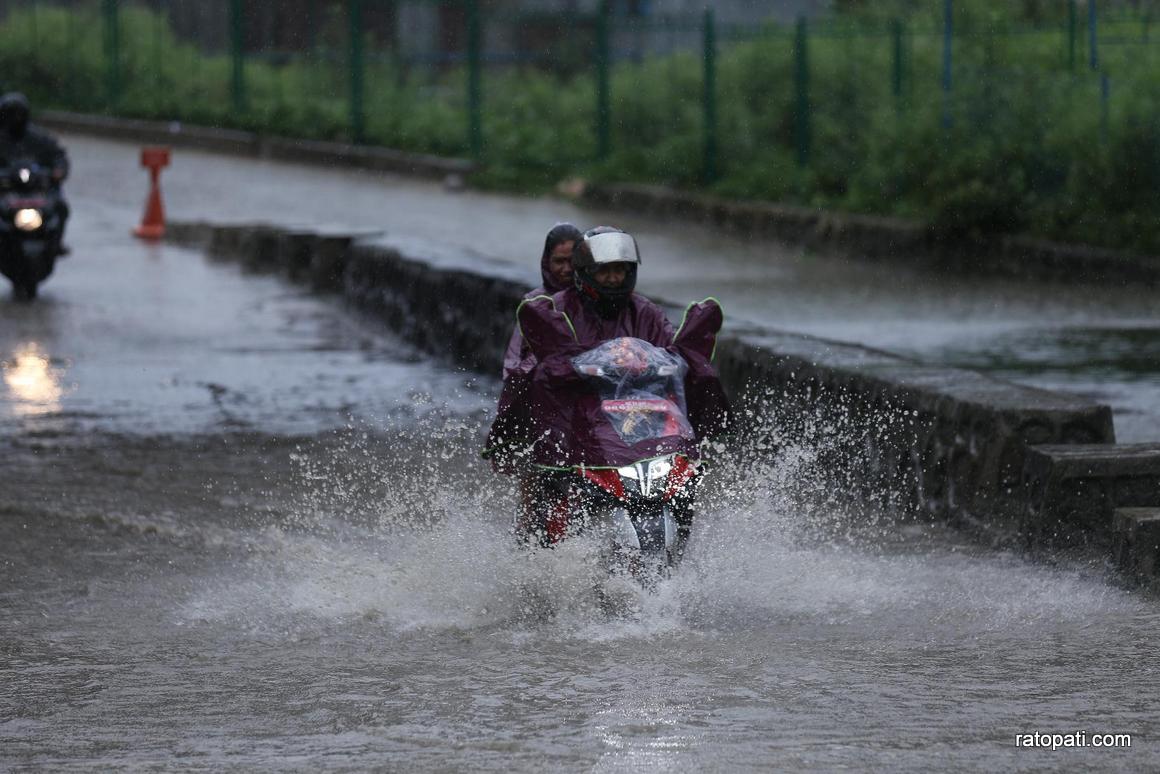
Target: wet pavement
x=1102 y=342
x=242 y=527
x=156 y=339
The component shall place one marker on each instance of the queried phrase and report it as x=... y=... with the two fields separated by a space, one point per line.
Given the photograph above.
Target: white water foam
x=430 y=549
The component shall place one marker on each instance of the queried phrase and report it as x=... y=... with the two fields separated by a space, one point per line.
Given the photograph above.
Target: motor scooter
x=31 y=226
x=642 y=510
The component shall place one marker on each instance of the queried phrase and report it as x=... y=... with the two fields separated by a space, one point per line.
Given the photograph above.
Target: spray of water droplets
x=411 y=528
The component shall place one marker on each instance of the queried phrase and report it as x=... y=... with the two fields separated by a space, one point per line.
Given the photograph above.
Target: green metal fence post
x=1072 y=27
x=398 y=64
x=237 y=56
x=896 y=79
x=710 y=97
x=112 y=54
x=801 y=88
x=1105 y=98
x=158 y=23
x=315 y=76
x=71 y=47
x=948 y=61
x=1093 y=35
x=357 y=110
x=474 y=96
x=603 y=109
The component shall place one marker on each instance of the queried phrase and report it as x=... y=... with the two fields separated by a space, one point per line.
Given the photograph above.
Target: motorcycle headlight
x=28 y=220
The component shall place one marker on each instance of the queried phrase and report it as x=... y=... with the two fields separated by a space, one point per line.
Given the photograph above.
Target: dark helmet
x=14 y=113
x=601 y=246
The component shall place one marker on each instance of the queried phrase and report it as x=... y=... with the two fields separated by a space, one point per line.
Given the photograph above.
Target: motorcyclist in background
x=19 y=140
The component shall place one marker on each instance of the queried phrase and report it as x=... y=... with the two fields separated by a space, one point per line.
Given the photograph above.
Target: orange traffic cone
x=153 y=224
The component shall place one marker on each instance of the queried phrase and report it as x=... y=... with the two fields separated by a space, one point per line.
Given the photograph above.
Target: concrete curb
x=252 y=144
x=883 y=238
x=923 y=441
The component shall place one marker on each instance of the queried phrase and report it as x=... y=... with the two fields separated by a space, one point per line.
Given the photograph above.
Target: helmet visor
x=613 y=248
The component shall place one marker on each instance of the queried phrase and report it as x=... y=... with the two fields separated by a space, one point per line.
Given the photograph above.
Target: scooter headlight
x=647 y=478
x=28 y=220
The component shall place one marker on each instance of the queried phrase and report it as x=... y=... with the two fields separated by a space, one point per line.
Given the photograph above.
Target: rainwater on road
x=242 y=527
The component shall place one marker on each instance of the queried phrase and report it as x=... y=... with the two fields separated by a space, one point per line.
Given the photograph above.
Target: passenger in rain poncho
x=512 y=434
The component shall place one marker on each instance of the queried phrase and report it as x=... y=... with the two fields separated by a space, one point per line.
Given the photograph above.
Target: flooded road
x=241 y=602
x=242 y=528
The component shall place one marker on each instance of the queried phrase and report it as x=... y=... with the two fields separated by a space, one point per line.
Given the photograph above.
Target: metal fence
x=456 y=77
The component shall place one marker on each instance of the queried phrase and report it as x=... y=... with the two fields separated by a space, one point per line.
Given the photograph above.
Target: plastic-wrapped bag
x=641 y=387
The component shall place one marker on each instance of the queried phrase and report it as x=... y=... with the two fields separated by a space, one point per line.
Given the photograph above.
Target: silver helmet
x=602 y=246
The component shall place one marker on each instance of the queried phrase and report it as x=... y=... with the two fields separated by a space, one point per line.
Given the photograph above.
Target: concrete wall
x=943 y=443
x=947 y=443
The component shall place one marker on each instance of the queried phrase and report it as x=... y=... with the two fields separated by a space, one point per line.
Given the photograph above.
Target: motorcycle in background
x=31 y=226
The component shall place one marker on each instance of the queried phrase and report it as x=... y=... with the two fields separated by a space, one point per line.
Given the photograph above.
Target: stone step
x=1073 y=491
x=1136 y=545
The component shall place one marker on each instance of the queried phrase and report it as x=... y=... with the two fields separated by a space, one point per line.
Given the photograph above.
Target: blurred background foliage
x=1029 y=116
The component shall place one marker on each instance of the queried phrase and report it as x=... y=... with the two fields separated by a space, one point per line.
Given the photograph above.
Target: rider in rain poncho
x=602 y=305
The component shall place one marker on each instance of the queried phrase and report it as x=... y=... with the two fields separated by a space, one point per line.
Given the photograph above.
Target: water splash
x=411 y=530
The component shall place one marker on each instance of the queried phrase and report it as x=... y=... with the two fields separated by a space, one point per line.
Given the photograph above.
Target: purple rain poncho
x=569 y=425
x=512 y=430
